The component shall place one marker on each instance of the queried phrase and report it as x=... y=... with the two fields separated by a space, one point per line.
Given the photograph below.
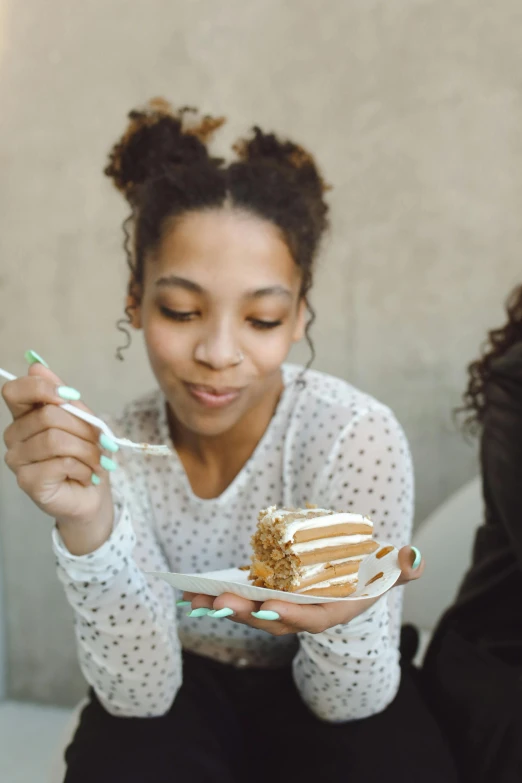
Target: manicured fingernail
x=265 y=614
x=183 y=603
x=199 y=612
x=107 y=464
x=417 y=559
x=108 y=443
x=225 y=612
x=67 y=393
x=95 y=479
x=31 y=357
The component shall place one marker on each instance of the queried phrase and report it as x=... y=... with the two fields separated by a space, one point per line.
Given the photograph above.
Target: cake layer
x=328 y=572
x=324 y=543
x=340 y=590
x=342 y=551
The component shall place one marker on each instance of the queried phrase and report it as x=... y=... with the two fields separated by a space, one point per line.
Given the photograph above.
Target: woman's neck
x=212 y=462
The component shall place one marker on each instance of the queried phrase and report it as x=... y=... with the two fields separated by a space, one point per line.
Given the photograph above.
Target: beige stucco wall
x=413 y=109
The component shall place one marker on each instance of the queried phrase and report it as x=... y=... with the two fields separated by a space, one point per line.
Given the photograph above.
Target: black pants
x=232 y=725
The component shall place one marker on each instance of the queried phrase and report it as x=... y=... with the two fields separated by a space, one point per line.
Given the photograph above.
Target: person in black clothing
x=473 y=668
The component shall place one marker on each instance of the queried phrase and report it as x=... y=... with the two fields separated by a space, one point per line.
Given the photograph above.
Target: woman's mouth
x=212 y=396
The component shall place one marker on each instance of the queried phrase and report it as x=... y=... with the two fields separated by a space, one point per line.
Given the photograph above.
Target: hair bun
x=267 y=147
x=158 y=137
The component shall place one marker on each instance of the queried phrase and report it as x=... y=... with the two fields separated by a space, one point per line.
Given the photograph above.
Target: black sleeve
x=501 y=451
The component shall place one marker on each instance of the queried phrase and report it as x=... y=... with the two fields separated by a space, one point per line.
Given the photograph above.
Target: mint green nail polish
x=95 y=479
x=108 y=443
x=199 y=612
x=31 y=357
x=418 y=557
x=107 y=464
x=183 y=603
x=265 y=614
x=225 y=612
x=68 y=393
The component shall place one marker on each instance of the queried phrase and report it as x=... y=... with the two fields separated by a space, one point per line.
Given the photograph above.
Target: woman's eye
x=259 y=324
x=178 y=315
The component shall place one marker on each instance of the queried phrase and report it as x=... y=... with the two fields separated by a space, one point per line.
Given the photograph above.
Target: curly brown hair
x=163 y=167
x=498 y=342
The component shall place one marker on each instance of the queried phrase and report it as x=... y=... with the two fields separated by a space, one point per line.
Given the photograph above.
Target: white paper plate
x=233 y=580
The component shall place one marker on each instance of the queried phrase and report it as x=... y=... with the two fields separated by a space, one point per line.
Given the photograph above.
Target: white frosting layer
x=310 y=570
x=324 y=543
x=309 y=521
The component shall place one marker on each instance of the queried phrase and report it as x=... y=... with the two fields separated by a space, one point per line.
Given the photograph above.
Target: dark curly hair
x=163 y=168
x=498 y=342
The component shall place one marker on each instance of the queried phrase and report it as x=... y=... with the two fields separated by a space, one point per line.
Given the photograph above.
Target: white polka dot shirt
x=328 y=444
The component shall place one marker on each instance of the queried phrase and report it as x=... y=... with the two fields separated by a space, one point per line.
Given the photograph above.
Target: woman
x=474 y=664
x=220 y=262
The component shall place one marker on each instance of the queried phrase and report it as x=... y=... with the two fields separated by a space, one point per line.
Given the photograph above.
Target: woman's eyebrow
x=173 y=281
x=178 y=282
x=272 y=290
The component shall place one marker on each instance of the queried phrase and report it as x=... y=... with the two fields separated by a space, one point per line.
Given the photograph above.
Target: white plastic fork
x=148 y=448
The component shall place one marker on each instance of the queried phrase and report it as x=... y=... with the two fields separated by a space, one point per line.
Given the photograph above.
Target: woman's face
x=221 y=286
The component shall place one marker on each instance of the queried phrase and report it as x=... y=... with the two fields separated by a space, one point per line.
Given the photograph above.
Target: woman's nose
x=218 y=349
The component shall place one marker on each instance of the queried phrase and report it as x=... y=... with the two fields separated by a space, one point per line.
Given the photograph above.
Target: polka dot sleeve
x=125 y=622
x=352 y=671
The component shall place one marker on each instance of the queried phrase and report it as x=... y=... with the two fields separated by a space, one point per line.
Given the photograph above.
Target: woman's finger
x=54 y=443
x=40 y=480
x=225 y=605
x=241 y=607
x=45 y=418
x=39 y=386
x=201 y=604
x=65 y=393
x=24 y=393
x=411 y=563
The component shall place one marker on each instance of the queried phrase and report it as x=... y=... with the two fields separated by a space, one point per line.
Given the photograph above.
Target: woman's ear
x=133 y=304
x=300 y=324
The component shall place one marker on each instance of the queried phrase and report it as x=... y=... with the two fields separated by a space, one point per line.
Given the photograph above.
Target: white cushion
x=445 y=539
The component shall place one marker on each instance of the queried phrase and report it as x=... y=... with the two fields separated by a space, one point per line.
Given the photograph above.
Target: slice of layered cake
x=311 y=550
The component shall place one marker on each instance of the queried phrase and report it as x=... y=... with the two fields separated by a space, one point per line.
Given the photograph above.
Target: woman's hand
x=56 y=457
x=280 y=618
